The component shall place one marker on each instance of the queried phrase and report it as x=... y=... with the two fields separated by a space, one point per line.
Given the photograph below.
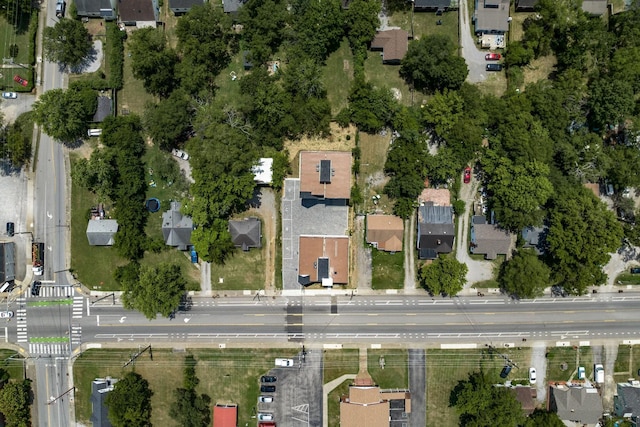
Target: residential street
x=471 y=54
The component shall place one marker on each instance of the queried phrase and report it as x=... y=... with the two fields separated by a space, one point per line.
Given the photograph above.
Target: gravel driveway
x=471 y=54
x=539 y=361
x=12 y=108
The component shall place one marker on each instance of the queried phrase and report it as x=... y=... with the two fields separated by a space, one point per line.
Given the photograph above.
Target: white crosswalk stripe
x=78 y=307
x=53 y=292
x=21 y=320
x=53 y=349
x=76 y=335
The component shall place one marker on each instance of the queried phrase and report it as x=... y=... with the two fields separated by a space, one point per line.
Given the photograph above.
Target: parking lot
x=297 y=400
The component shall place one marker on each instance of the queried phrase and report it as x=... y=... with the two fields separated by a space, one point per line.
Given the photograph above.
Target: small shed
x=104 y=109
x=7 y=262
x=100 y=232
x=100 y=388
x=225 y=415
x=246 y=233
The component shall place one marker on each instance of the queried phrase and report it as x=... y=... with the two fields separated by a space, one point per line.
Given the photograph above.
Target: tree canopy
x=444 y=276
x=152 y=61
x=67 y=43
x=318 y=27
x=431 y=64
x=129 y=402
x=15 y=403
x=157 y=290
x=168 y=121
x=63 y=114
x=524 y=275
x=190 y=409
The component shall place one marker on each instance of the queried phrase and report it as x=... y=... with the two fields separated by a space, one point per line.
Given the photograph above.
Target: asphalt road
x=411 y=321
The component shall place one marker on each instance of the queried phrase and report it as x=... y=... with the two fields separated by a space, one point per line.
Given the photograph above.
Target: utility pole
x=113 y=295
x=61 y=396
x=135 y=356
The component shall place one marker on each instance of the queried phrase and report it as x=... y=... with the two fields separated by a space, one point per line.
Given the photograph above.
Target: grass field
x=133 y=97
x=373 y=149
x=242 y=270
x=12 y=362
x=572 y=357
x=225 y=375
x=446 y=367
x=338 y=75
x=627 y=363
x=16 y=33
x=628 y=279
x=387 y=270
x=337 y=363
x=425 y=24
x=228 y=92
x=387 y=76
x=394 y=373
x=94 y=265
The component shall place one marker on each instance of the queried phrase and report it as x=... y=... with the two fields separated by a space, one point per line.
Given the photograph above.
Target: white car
x=265 y=416
x=180 y=154
x=6 y=314
x=532 y=375
x=265 y=399
x=9 y=95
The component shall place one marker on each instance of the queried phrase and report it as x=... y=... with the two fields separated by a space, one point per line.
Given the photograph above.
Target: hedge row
x=115 y=54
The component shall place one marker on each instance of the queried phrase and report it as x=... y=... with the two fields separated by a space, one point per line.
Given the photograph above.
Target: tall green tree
x=152 y=61
x=405 y=167
x=15 y=403
x=540 y=417
x=130 y=402
x=610 y=101
x=264 y=23
x=63 y=115
x=443 y=111
x=168 y=121
x=524 y=275
x=371 y=108
x=431 y=64
x=582 y=234
x=480 y=404
x=318 y=27
x=158 y=290
x=67 y=43
x=362 y=21
x=444 y=276
x=189 y=408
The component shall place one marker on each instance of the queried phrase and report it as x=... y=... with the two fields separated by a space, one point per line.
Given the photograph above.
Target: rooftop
x=593 y=187
x=432 y=214
x=325 y=174
x=386 y=231
x=437 y=196
x=489 y=240
x=577 y=404
x=225 y=415
x=492 y=16
x=7 y=262
x=595 y=7
x=246 y=233
x=263 y=171
x=323 y=258
x=176 y=228
x=136 y=11
x=100 y=232
x=104 y=109
x=393 y=43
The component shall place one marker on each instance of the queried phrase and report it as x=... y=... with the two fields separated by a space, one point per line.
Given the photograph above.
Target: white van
x=598 y=373
x=94 y=132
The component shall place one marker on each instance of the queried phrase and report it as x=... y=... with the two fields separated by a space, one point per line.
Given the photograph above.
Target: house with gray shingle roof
x=489 y=240
x=534 y=238
x=101 y=232
x=491 y=16
x=575 y=404
x=180 y=7
x=435 y=230
x=626 y=403
x=96 y=9
x=104 y=109
x=7 y=262
x=100 y=388
x=434 y=5
x=392 y=43
x=594 y=7
x=177 y=228
x=246 y=233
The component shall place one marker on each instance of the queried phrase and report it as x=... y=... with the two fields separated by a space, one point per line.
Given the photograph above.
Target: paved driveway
x=12 y=108
x=471 y=54
x=418 y=387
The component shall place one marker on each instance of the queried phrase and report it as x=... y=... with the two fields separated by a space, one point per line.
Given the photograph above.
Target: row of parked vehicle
x=266 y=386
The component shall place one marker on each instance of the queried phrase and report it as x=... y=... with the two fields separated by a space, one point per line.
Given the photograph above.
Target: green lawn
x=425 y=24
x=337 y=363
x=387 y=270
x=225 y=375
x=381 y=75
x=628 y=279
x=228 y=92
x=388 y=367
x=446 y=367
x=12 y=362
x=94 y=265
x=627 y=363
x=133 y=97
x=338 y=75
x=16 y=33
x=334 y=402
x=572 y=357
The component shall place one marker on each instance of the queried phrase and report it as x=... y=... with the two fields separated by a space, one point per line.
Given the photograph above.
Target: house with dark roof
x=246 y=233
x=594 y=7
x=626 y=402
x=435 y=230
x=176 y=228
x=105 y=9
x=526 y=5
x=368 y=405
x=180 y=7
x=100 y=388
x=575 y=404
x=101 y=232
x=433 y=5
x=488 y=239
x=225 y=415
x=7 y=262
x=534 y=238
x=138 y=13
x=323 y=259
x=104 y=109
x=526 y=396
x=325 y=176
x=491 y=16
x=385 y=232
x=393 y=44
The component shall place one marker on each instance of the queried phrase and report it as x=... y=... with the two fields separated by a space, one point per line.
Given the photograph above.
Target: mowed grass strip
x=563 y=362
x=426 y=24
x=338 y=76
x=229 y=375
x=446 y=367
x=337 y=363
x=13 y=363
x=387 y=270
x=333 y=402
x=388 y=367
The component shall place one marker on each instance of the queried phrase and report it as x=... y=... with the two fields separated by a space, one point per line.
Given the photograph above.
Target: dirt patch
x=345 y=65
x=539 y=69
x=96 y=27
x=84 y=151
x=340 y=139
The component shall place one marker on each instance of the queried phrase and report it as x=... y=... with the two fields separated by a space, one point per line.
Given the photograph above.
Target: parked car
x=505 y=371
x=467 y=175
x=10 y=229
x=20 y=80
x=492 y=57
x=581 y=373
x=6 y=314
x=60 y=8
x=532 y=375
x=9 y=95
x=265 y=416
x=268 y=379
x=635 y=270
x=35 y=288
x=265 y=399
x=180 y=154
x=267 y=389
x=494 y=67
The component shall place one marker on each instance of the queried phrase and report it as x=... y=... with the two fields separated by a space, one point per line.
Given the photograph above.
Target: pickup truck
x=284 y=362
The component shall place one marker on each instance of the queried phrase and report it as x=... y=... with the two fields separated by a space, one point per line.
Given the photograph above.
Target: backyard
x=387 y=270
x=338 y=75
x=229 y=375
